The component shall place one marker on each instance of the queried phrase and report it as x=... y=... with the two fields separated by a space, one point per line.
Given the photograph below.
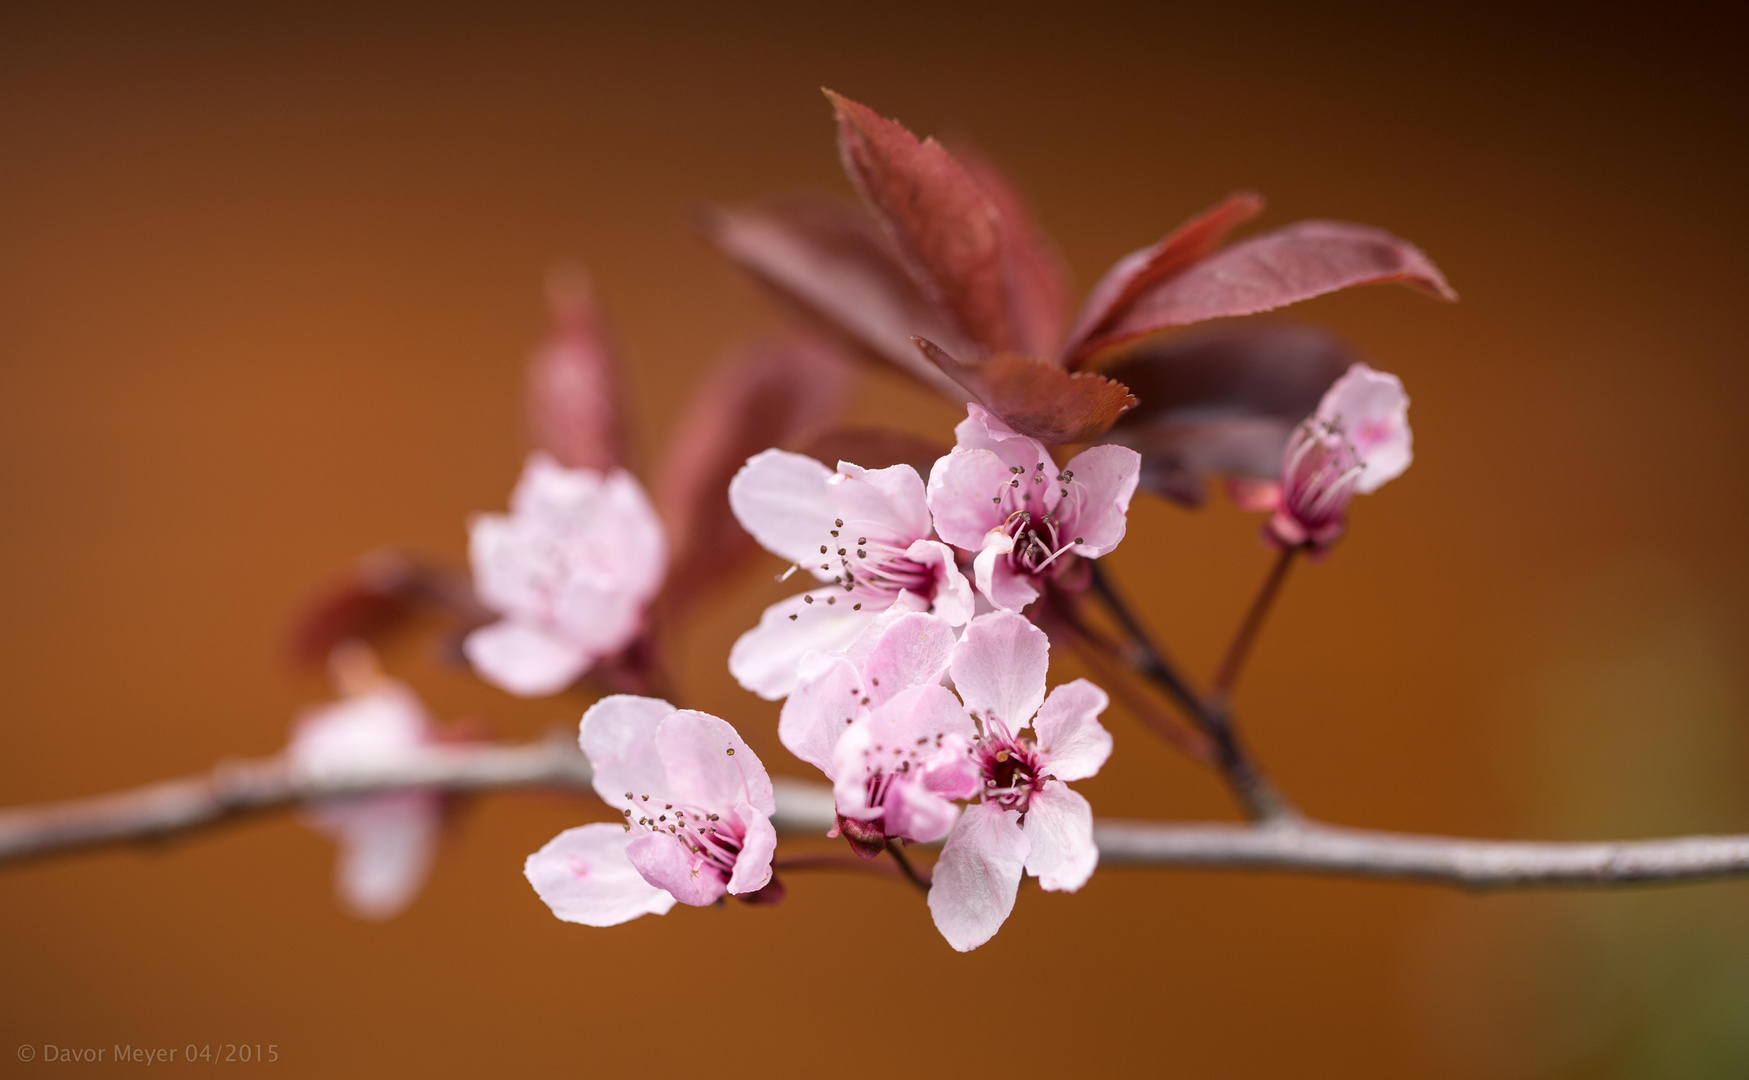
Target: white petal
x=977 y=876
x=822 y=705
x=953 y=593
x=1059 y=825
x=1097 y=507
x=997 y=579
x=888 y=504
x=524 y=660
x=386 y=849
x=618 y=736
x=962 y=489
x=781 y=499
x=1072 y=743
x=999 y=668
x=766 y=658
x=583 y=875
x=710 y=766
x=1373 y=411
x=913 y=650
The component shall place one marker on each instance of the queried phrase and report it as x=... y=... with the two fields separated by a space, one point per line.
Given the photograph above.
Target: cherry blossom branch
x=1256 y=794
x=235 y=790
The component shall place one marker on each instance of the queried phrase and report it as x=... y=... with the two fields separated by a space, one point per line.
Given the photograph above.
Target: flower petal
x=663 y=861
x=964 y=492
x=997 y=579
x=977 y=876
x=618 y=736
x=386 y=849
x=822 y=705
x=889 y=503
x=584 y=876
x=758 y=844
x=765 y=659
x=999 y=667
x=913 y=650
x=1373 y=411
x=953 y=593
x=1059 y=827
x=525 y=660
x=782 y=500
x=709 y=765
x=1097 y=507
x=1072 y=743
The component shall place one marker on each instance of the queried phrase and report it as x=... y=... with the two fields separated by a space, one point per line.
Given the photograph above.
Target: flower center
x=704 y=835
x=1009 y=765
x=887 y=765
x=873 y=569
x=1039 y=520
x=1319 y=473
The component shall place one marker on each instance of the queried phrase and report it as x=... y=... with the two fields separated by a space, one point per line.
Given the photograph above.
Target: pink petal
x=918 y=814
x=524 y=660
x=977 y=876
x=782 y=500
x=885 y=503
x=765 y=659
x=913 y=650
x=999 y=668
x=963 y=488
x=709 y=765
x=758 y=844
x=983 y=430
x=822 y=705
x=997 y=579
x=1071 y=741
x=953 y=593
x=1059 y=828
x=1097 y=506
x=663 y=861
x=853 y=759
x=378 y=728
x=1373 y=412
x=584 y=876
x=386 y=850
x=618 y=736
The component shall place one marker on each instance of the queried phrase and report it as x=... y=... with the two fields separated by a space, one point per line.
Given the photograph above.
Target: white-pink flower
x=696 y=805
x=999 y=496
x=864 y=532
x=571 y=570
x=1028 y=820
x=1356 y=442
x=880 y=725
x=386 y=841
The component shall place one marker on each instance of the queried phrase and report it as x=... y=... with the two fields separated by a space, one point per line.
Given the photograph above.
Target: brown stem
x=1259 y=798
x=897 y=850
x=1228 y=673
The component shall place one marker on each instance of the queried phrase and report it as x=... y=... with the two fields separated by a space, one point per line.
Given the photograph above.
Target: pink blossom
x=570 y=569
x=1028 y=820
x=999 y=496
x=880 y=725
x=865 y=533
x=1356 y=441
x=386 y=841
x=696 y=804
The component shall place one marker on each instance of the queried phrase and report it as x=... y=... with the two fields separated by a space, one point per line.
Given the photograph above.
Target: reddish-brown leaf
x=1036 y=277
x=1036 y=397
x=1278 y=268
x=381 y=596
x=944 y=225
x=1131 y=275
x=873 y=448
x=1221 y=401
x=828 y=259
x=767 y=393
x=573 y=381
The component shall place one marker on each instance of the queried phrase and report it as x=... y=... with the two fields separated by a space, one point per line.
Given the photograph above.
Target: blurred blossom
x=877 y=721
x=1028 y=819
x=696 y=805
x=571 y=569
x=386 y=841
x=999 y=496
x=866 y=531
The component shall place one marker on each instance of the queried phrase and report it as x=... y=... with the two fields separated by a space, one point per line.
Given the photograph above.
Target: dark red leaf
x=1272 y=270
x=945 y=227
x=1137 y=271
x=573 y=381
x=864 y=837
x=767 y=393
x=829 y=260
x=1036 y=397
x=384 y=594
x=1221 y=401
x=874 y=448
x=1037 y=279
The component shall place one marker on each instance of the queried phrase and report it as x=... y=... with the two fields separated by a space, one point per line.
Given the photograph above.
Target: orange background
x=266 y=286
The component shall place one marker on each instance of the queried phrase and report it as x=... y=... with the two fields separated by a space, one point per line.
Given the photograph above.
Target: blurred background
x=267 y=282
